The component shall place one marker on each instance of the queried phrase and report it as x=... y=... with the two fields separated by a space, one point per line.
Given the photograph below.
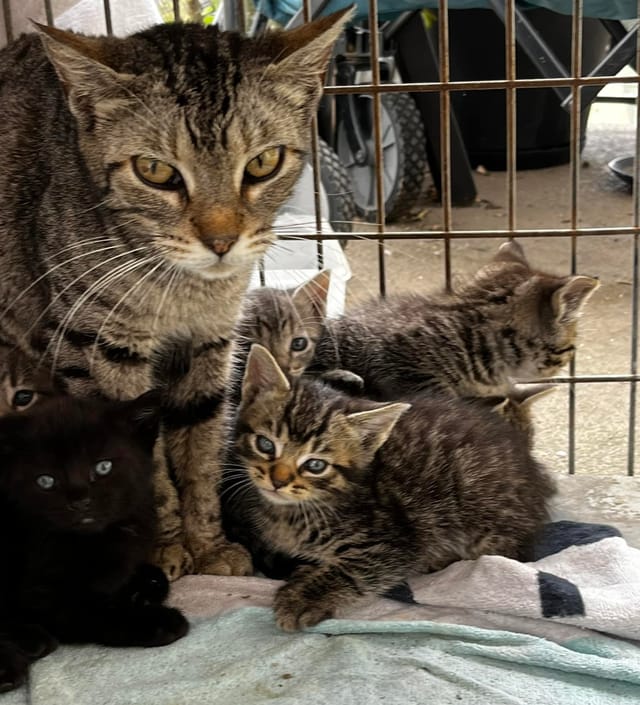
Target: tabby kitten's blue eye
x=264 y=445
x=103 y=467
x=22 y=398
x=46 y=482
x=315 y=466
x=157 y=174
x=265 y=166
x=299 y=344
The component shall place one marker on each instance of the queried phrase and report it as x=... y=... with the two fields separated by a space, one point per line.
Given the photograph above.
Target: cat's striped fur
x=100 y=268
x=370 y=494
x=510 y=322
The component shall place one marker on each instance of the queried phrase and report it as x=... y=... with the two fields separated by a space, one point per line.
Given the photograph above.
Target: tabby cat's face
x=288 y=323
x=195 y=136
x=22 y=386
x=538 y=312
x=79 y=465
x=305 y=442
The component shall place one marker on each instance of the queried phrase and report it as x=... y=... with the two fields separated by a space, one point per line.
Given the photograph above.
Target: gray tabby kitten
x=510 y=322
x=139 y=181
x=371 y=494
x=23 y=384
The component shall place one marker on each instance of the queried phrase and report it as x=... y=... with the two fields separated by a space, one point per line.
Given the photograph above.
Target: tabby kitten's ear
x=312 y=295
x=262 y=374
x=568 y=300
x=374 y=426
x=303 y=53
x=92 y=88
x=511 y=251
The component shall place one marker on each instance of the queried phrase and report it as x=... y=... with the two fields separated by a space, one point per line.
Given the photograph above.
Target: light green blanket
x=241 y=658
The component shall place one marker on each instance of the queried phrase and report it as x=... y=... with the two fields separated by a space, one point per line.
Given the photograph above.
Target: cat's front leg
x=21 y=645
x=313 y=594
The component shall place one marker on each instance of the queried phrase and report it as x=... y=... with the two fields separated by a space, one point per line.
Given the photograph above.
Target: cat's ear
x=303 y=53
x=511 y=251
x=93 y=89
x=375 y=425
x=568 y=300
x=142 y=417
x=262 y=374
x=312 y=295
x=525 y=394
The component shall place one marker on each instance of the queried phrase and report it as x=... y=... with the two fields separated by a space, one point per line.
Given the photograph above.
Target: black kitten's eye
x=264 y=445
x=103 y=467
x=22 y=398
x=46 y=482
x=157 y=174
x=315 y=466
x=299 y=344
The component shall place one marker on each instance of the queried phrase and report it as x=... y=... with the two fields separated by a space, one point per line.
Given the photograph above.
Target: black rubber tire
x=410 y=159
x=337 y=185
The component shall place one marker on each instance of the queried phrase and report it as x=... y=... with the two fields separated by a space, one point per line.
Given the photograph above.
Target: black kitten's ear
x=511 y=251
x=313 y=294
x=262 y=374
x=569 y=299
x=375 y=425
x=142 y=416
x=93 y=89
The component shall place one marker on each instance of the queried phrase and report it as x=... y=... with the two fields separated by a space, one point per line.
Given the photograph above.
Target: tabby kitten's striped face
x=301 y=447
x=195 y=137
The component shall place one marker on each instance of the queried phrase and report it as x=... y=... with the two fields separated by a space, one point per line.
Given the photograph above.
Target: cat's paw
x=148 y=586
x=229 y=559
x=14 y=667
x=34 y=641
x=155 y=626
x=295 y=612
x=174 y=560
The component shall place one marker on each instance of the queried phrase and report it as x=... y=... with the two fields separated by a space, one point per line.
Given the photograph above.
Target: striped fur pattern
x=368 y=494
x=510 y=322
x=101 y=268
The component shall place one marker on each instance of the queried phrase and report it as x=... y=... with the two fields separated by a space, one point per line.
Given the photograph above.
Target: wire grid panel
x=380 y=235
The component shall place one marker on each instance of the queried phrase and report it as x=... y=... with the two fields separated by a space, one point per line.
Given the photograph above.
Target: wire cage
x=590 y=423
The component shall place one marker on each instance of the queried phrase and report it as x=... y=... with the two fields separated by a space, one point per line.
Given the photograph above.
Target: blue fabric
x=283 y=10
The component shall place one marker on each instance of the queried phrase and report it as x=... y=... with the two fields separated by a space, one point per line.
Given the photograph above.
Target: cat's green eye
x=103 y=467
x=46 y=482
x=315 y=466
x=157 y=174
x=22 y=398
x=264 y=445
x=299 y=344
x=265 y=166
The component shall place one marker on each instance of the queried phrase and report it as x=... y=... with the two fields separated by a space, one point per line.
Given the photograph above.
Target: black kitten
x=77 y=524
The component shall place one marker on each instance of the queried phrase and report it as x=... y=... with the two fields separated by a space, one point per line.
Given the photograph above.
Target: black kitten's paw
x=155 y=626
x=14 y=666
x=34 y=641
x=148 y=586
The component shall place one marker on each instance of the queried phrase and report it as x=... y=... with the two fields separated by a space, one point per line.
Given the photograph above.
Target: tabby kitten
x=23 y=383
x=370 y=494
x=77 y=523
x=510 y=322
x=133 y=218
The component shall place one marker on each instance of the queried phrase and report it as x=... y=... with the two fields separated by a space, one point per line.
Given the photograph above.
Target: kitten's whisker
x=79 y=243
x=177 y=272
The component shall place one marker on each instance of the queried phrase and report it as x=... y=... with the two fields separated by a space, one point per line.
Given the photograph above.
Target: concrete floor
x=543 y=201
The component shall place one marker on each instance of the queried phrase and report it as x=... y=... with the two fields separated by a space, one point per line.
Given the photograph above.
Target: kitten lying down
x=367 y=494
x=77 y=525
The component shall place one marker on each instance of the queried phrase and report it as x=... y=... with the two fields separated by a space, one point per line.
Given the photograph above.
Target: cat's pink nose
x=222 y=245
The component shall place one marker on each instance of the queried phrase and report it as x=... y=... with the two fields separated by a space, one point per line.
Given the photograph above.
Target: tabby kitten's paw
x=229 y=559
x=294 y=611
x=174 y=560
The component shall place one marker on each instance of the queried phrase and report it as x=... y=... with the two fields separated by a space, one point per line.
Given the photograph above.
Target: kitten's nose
x=222 y=245
x=80 y=505
x=280 y=476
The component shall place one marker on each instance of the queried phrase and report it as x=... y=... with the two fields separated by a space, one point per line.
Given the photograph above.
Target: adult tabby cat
x=77 y=522
x=510 y=322
x=139 y=181
x=370 y=494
